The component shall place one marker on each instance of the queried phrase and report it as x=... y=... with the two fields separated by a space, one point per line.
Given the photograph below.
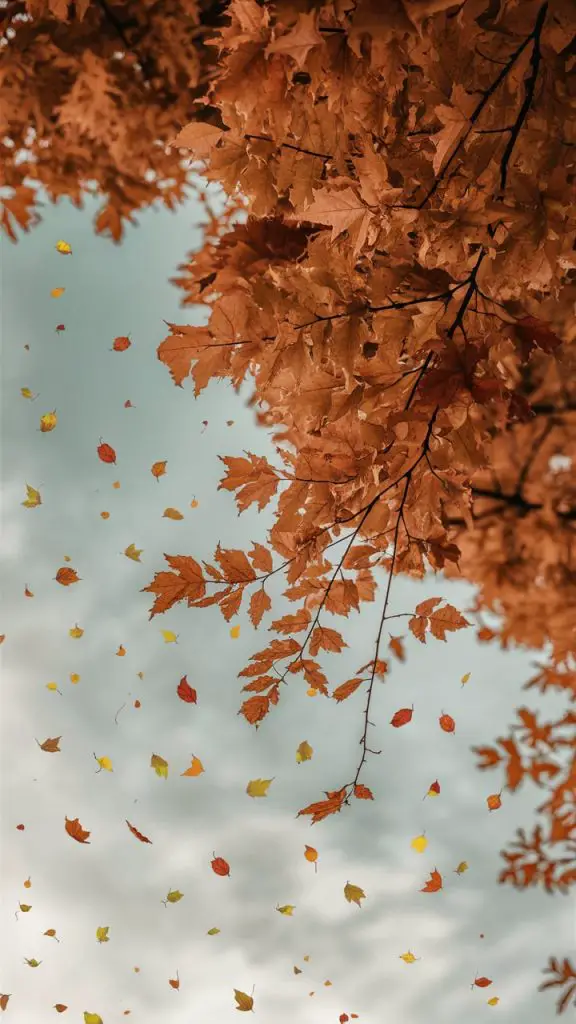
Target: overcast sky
x=118 y=882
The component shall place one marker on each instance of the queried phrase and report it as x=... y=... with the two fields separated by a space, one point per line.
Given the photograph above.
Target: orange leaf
x=186 y=692
x=363 y=793
x=327 y=640
x=106 y=453
x=135 y=832
x=434 y=883
x=220 y=866
x=66 y=576
x=76 y=831
x=323 y=808
x=259 y=604
x=346 y=689
x=402 y=717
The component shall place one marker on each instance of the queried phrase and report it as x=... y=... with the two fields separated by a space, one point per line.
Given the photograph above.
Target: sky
x=472 y=927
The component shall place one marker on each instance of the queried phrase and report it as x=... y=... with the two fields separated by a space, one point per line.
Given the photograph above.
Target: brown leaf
x=76 y=831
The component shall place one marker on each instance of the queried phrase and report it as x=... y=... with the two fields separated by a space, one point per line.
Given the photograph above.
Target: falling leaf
x=494 y=801
x=74 y=677
x=21 y=827
x=434 y=789
x=60 y=1007
x=48 y=421
x=33 y=498
x=258 y=787
x=67 y=576
x=446 y=723
x=312 y=691
x=4 y=1001
x=25 y=907
x=174 y=982
x=50 y=745
x=244 y=1001
x=137 y=704
x=354 y=894
x=59 y=328
x=408 y=957
x=402 y=717
x=120 y=653
x=27 y=393
x=121 y=343
x=172 y=513
x=213 y=931
x=296 y=970
x=106 y=453
x=196 y=768
x=220 y=866
x=397 y=647
x=32 y=963
x=186 y=692
x=194 y=503
x=462 y=867
x=159 y=469
x=304 y=752
x=419 y=844
x=51 y=933
x=159 y=765
x=311 y=855
x=494 y=1001
x=434 y=883
x=362 y=792
x=133 y=552
x=76 y=831
x=169 y=636
x=76 y=632
x=481 y=982
x=53 y=687
x=229 y=423
x=128 y=404
x=235 y=632
x=465 y=678
x=288 y=909
x=65 y=250
x=116 y=484
x=27 y=884
x=135 y=832
x=102 y=933
x=57 y=292
x=27 y=592
x=174 y=896
x=92 y=1018
x=105 y=764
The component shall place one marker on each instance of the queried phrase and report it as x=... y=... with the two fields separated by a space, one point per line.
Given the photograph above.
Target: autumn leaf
x=133 y=552
x=121 y=343
x=323 y=808
x=168 y=636
x=446 y=723
x=172 y=513
x=60 y=1007
x=102 y=933
x=76 y=632
x=65 y=250
x=32 y=962
x=304 y=752
x=298 y=42
x=397 y=647
x=33 y=498
x=48 y=421
x=220 y=866
x=159 y=469
x=362 y=792
x=235 y=632
x=258 y=787
x=174 y=982
x=260 y=603
x=419 y=843
x=288 y=909
x=50 y=745
x=408 y=957
x=105 y=764
x=493 y=1001
x=135 y=832
x=121 y=652
x=106 y=453
x=494 y=802
x=159 y=765
x=27 y=393
x=213 y=931
x=326 y=640
x=481 y=982
x=346 y=689
x=92 y=1018
x=434 y=883
x=4 y=1001
x=311 y=855
x=196 y=767
x=57 y=292
x=66 y=576
x=198 y=136
x=354 y=894
x=402 y=717
x=243 y=1001
x=465 y=678
x=76 y=831
x=186 y=692
x=462 y=867
x=173 y=896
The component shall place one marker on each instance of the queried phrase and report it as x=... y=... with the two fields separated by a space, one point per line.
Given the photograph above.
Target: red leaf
x=434 y=883
x=482 y=982
x=186 y=692
x=447 y=723
x=106 y=453
x=363 y=793
x=402 y=717
x=220 y=866
x=135 y=832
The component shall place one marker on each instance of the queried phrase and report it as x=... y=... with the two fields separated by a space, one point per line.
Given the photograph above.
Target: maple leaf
x=184 y=583
x=298 y=42
x=342 y=211
x=434 y=883
x=323 y=808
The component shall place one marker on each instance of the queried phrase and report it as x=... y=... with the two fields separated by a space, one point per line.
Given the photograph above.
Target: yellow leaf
x=159 y=765
x=169 y=636
x=245 y=1002
x=408 y=957
x=196 y=768
x=493 y=1001
x=354 y=893
x=235 y=632
x=92 y=1018
x=102 y=933
x=194 y=503
x=465 y=678
x=172 y=513
x=76 y=632
x=174 y=896
x=57 y=292
x=306 y=958
x=304 y=752
x=213 y=931
x=27 y=393
x=287 y=910
x=27 y=884
x=74 y=677
x=32 y=962
x=33 y=498
x=133 y=552
x=25 y=907
x=48 y=421
x=462 y=867
x=312 y=691
x=66 y=250
x=53 y=687
x=258 y=787
x=419 y=844
x=105 y=763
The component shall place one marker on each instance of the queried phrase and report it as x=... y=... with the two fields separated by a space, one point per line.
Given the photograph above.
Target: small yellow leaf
x=116 y=484
x=121 y=651
x=194 y=503
x=354 y=893
x=32 y=962
x=196 y=767
x=92 y=1018
x=174 y=896
x=408 y=957
x=465 y=678
x=258 y=787
x=53 y=687
x=74 y=677
x=419 y=844
x=76 y=632
x=304 y=752
x=159 y=765
x=33 y=498
x=105 y=515
x=57 y=292
x=245 y=1002
x=66 y=250
x=213 y=931
x=25 y=907
x=312 y=691
x=462 y=867
x=102 y=933
x=169 y=636
x=27 y=884
x=48 y=421
x=172 y=513
x=133 y=552
x=287 y=910
x=27 y=393
x=235 y=632
x=493 y=1001
x=105 y=763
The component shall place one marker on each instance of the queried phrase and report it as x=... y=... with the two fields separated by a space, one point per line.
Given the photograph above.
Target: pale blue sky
x=119 y=882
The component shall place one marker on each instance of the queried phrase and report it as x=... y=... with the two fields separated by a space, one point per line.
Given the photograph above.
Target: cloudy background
x=117 y=881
